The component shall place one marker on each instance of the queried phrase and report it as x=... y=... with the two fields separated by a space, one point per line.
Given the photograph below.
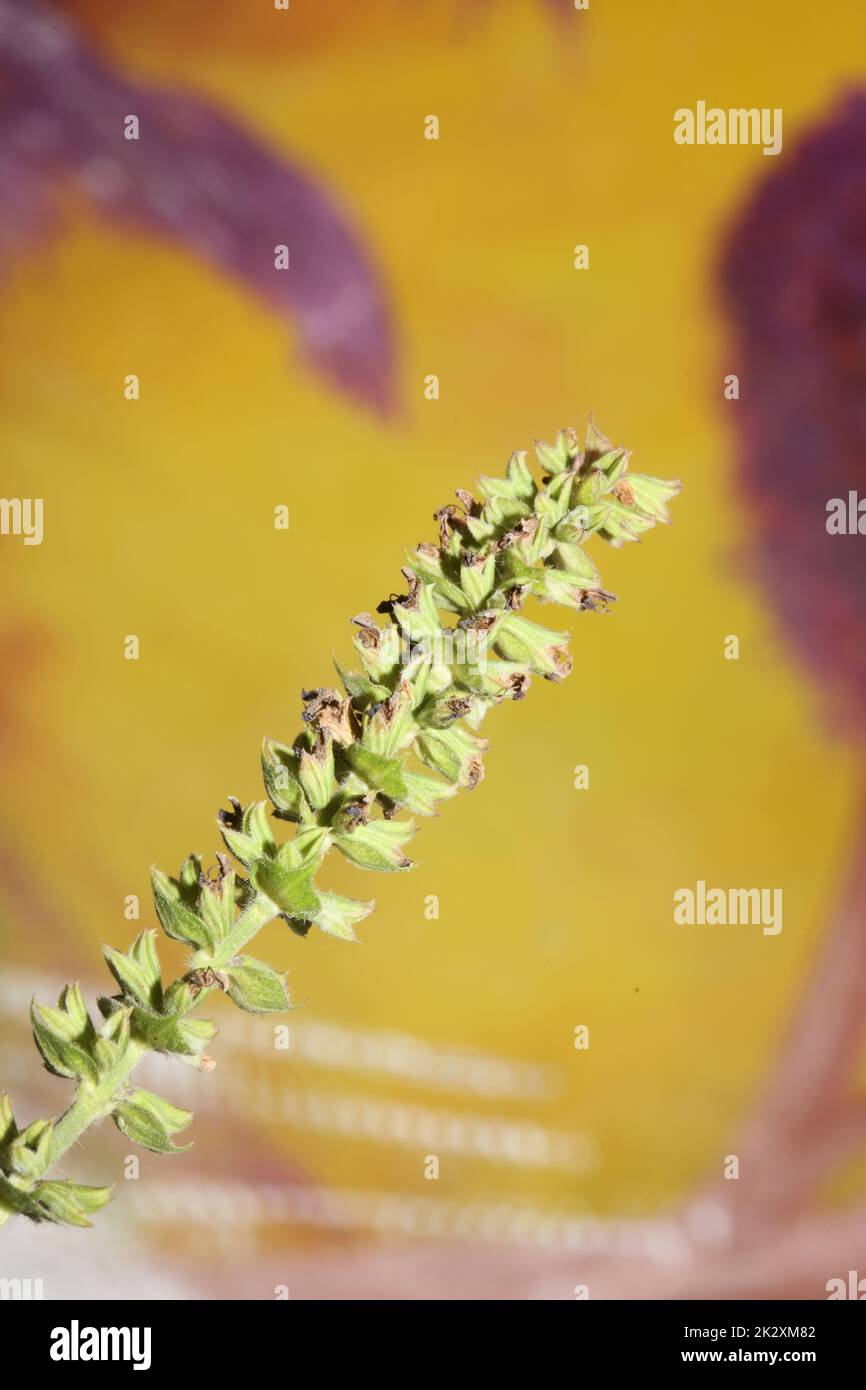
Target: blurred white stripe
x=247 y=1205
x=321 y=1043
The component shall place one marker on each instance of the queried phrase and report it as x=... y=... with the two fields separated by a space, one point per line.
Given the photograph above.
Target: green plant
x=419 y=697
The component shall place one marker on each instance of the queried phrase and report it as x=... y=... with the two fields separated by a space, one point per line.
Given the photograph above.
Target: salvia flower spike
x=399 y=737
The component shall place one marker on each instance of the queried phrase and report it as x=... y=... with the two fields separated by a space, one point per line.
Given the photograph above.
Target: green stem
x=260 y=911
x=93 y=1103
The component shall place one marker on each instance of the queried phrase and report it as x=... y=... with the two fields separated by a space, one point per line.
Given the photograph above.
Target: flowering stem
x=456 y=645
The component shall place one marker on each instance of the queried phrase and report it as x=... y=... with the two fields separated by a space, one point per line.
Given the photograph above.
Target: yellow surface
x=556 y=905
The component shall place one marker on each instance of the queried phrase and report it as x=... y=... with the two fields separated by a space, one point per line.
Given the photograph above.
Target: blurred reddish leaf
x=196 y=176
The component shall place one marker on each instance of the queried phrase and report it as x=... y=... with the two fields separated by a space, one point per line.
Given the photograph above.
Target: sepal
x=256 y=987
x=65 y=1037
x=175 y=902
x=545 y=652
x=149 y=1120
x=426 y=564
x=316 y=772
x=423 y=794
x=390 y=727
x=337 y=915
x=68 y=1203
x=168 y=1031
x=563 y=588
x=361 y=688
x=8 y=1127
x=247 y=831
x=454 y=752
x=112 y=1039
x=418 y=616
x=379 y=773
x=138 y=972
x=555 y=458
x=287 y=877
x=378 y=648
x=377 y=844
x=651 y=495
x=477 y=575
x=27 y=1155
x=573 y=560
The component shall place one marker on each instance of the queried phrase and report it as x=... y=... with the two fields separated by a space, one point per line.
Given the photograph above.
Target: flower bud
x=65 y=1037
x=424 y=793
x=650 y=495
x=555 y=458
x=138 y=972
x=337 y=915
x=544 y=651
x=454 y=752
x=150 y=1120
x=256 y=987
x=316 y=772
x=68 y=1203
x=377 y=844
x=173 y=902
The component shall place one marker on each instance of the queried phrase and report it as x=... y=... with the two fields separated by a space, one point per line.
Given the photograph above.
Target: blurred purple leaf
x=195 y=176
x=794 y=278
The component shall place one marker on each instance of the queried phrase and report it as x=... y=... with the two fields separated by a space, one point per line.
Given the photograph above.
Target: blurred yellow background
x=555 y=904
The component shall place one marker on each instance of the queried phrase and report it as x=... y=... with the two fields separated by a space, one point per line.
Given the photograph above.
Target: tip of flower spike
x=597 y=444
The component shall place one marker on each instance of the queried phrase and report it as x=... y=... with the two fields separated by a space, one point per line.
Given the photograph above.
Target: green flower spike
x=401 y=737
